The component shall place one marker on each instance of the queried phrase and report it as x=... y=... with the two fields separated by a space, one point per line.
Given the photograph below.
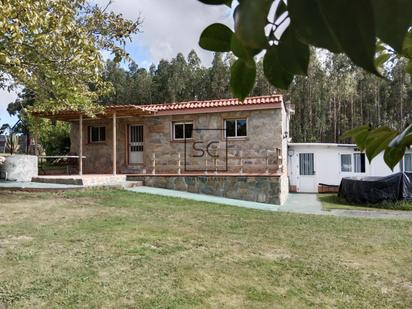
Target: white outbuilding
x=313 y=164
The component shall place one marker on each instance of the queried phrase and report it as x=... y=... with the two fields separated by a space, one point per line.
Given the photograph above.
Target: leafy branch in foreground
x=53 y=47
x=370 y=32
x=357 y=28
x=383 y=139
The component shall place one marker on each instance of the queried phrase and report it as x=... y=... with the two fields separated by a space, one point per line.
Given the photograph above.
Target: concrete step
x=85 y=180
x=133 y=184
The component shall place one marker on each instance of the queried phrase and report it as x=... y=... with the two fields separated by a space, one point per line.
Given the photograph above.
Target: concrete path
x=34 y=186
x=304 y=204
x=299 y=203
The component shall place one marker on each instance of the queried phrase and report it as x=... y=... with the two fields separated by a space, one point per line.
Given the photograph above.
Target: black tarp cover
x=371 y=190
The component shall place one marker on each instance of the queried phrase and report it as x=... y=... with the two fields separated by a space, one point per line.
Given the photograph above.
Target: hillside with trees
x=335 y=96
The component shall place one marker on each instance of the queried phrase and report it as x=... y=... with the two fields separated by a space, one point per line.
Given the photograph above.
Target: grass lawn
x=117 y=249
x=332 y=201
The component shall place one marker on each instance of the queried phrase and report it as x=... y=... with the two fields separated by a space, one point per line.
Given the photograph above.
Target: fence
x=271 y=162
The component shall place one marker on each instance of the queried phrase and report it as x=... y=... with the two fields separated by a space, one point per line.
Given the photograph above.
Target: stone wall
x=265 y=132
x=263 y=189
x=19 y=168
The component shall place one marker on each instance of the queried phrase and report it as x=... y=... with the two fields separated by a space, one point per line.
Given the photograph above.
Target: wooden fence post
x=241 y=163
x=179 y=164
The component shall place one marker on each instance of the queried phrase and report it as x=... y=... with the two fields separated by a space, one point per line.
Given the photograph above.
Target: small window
x=182 y=130
x=346 y=163
x=236 y=128
x=407 y=162
x=306 y=164
x=97 y=134
x=359 y=162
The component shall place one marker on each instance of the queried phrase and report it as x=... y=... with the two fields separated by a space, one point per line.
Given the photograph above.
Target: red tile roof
x=192 y=107
x=261 y=101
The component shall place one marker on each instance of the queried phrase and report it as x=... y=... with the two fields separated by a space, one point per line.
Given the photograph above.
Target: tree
x=372 y=33
x=118 y=78
x=218 y=78
x=54 y=136
x=53 y=48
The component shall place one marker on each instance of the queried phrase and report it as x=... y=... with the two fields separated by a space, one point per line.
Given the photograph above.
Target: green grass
x=117 y=249
x=332 y=201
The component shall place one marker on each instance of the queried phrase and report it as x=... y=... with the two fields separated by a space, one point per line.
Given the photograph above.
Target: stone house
x=220 y=147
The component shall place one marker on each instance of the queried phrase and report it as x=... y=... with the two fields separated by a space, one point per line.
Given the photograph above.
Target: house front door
x=136 y=144
x=307 y=175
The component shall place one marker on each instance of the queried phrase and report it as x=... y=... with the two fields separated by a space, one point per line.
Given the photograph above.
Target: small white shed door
x=307 y=177
x=135 y=144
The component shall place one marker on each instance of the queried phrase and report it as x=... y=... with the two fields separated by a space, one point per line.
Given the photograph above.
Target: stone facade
x=265 y=133
x=263 y=189
x=248 y=175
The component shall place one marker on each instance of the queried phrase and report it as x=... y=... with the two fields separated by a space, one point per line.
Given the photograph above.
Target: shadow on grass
x=332 y=201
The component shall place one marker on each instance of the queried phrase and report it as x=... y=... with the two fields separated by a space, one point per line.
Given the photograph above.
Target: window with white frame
x=359 y=162
x=407 y=162
x=236 y=128
x=346 y=163
x=182 y=130
x=306 y=164
x=97 y=134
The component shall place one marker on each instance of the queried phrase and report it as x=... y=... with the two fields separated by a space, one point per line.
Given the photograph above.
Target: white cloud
x=171 y=26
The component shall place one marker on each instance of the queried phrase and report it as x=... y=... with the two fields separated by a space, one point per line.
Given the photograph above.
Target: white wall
x=327 y=165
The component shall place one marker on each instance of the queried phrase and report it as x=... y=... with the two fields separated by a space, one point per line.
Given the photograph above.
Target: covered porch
x=100 y=135
x=133 y=140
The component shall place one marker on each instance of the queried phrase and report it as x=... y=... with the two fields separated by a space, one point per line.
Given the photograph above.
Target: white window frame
x=184 y=130
x=360 y=162
x=99 y=134
x=306 y=171
x=351 y=162
x=404 y=163
x=236 y=120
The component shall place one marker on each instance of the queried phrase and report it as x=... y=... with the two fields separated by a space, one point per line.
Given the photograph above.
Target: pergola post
x=81 y=145
x=114 y=145
x=36 y=137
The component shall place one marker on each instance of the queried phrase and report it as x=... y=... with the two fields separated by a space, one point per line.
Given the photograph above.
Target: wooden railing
x=269 y=163
x=57 y=164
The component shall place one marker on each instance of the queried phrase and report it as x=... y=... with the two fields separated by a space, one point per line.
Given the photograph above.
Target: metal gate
x=136 y=144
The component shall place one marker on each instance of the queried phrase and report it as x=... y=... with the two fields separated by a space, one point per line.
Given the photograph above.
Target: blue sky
x=169 y=27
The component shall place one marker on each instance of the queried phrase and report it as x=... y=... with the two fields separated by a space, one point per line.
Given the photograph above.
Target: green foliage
x=243 y=76
x=374 y=141
x=55 y=138
x=274 y=71
x=332 y=201
x=217 y=2
x=216 y=37
x=53 y=48
x=250 y=20
x=180 y=79
x=353 y=27
x=12 y=144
